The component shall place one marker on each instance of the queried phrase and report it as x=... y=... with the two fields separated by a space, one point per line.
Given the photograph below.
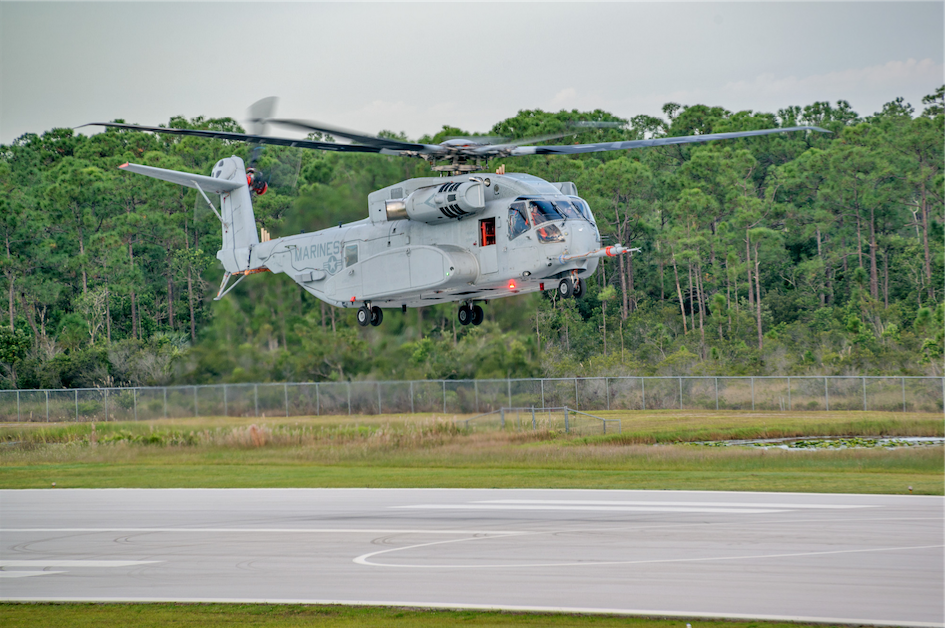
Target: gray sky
x=415 y=67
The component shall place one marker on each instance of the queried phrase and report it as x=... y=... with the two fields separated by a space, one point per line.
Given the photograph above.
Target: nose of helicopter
x=583 y=237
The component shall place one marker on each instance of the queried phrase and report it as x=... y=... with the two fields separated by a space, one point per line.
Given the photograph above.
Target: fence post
x=226 y=406
x=577 y=406
x=18 y=406
x=903 y=397
x=607 y=390
x=77 y=404
x=533 y=418
x=134 y=397
x=285 y=390
x=502 y=415
x=412 y=411
x=752 y=394
x=826 y=395
x=47 y=403
x=680 y=393
x=318 y=402
x=509 y=382
x=789 y=394
x=349 y=397
x=643 y=391
x=864 y=393
x=106 y=404
x=444 y=396
x=716 y=393
x=567 y=429
x=165 y=402
x=256 y=399
x=542 y=381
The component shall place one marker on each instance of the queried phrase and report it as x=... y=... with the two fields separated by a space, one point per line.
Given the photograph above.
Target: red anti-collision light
x=511 y=285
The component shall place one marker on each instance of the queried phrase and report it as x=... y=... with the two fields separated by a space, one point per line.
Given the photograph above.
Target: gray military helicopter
x=467 y=237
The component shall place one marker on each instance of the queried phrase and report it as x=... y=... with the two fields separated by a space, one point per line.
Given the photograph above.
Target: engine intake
x=453 y=199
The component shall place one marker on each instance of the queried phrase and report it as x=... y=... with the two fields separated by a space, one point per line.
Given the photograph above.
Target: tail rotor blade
x=259 y=114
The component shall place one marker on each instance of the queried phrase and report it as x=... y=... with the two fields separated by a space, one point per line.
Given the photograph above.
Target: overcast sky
x=415 y=67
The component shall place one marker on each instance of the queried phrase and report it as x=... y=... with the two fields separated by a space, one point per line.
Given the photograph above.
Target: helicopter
x=468 y=237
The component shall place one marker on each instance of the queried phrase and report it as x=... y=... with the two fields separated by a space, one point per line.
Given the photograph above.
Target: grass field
x=291 y=616
x=431 y=451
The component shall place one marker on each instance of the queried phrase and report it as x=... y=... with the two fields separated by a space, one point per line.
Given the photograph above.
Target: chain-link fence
x=891 y=394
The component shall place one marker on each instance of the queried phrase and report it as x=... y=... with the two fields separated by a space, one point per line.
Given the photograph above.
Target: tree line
x=796 y=253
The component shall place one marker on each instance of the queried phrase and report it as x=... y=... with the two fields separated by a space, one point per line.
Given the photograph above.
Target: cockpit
x=541 y=212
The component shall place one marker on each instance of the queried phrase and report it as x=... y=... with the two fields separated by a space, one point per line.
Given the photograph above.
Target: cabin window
x=351 y=255
x=487 y=232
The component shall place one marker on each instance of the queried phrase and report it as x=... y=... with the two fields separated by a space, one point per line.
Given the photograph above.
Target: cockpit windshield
x=542 y=211
x=529 y=212
x=582 y=207
x=568 y=210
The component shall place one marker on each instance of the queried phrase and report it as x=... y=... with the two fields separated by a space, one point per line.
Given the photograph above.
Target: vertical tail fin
x=236 y=203
x=239 y=223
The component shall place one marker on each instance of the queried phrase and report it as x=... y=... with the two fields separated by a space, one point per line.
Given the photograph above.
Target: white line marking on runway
x=364 y=558
x=591 y=508
x=265 y=530
x=488 y=607
x=738 y=505
x=53 y=562
x=25 y=574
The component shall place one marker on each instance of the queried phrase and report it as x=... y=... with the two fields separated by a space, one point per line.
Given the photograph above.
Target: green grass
x=290 y=616
x=381 y=452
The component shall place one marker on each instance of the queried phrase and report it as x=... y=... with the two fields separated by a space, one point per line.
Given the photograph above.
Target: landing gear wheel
x=364 y=316
x=377 y=315
x=579 y=288
x=565 y=288
x=477 y=315
x=465 y=315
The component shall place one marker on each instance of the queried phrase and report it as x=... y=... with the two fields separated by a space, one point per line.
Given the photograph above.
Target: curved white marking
x=363 y=559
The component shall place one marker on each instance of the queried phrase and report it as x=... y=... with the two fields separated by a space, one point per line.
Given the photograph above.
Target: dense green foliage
x=799 y=253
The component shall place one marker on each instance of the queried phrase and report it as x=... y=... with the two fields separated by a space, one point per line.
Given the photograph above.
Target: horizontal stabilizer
x=207 y=184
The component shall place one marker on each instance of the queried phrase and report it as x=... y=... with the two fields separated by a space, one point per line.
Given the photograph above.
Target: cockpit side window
x=518 y=224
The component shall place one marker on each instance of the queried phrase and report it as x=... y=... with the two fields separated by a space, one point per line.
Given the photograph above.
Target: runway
x=856 y=559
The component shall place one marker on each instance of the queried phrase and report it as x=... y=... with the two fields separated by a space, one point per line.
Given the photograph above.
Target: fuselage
x=512 y=243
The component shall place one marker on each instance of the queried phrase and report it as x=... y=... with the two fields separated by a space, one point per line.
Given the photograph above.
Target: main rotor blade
x=243 y=137
x=367 y=140
x=662 y=141
x=507 y=147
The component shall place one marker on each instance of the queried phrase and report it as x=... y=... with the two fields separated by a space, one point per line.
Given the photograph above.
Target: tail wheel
x=364 y=316
x=465 y=315
x=579 y=288
x=477 y=315
x=565 y=288
x=377 y=316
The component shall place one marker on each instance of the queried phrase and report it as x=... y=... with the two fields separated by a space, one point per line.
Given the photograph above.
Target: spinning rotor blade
x=662 y=141
x=259 y=113
x=381 y=143
x=243 y=137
